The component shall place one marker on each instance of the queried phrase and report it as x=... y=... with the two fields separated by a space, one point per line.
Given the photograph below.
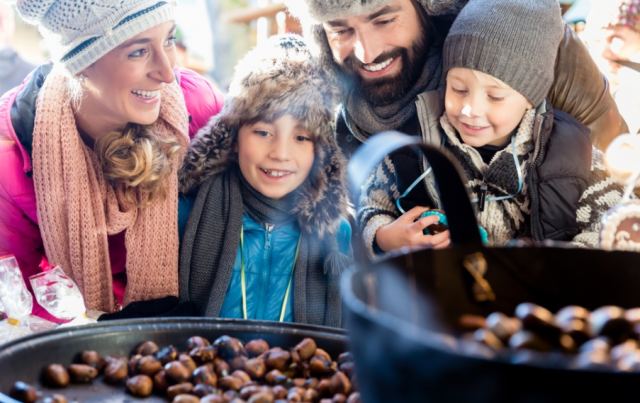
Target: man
x=13 y=69
x=387 y=52
x=387 y=55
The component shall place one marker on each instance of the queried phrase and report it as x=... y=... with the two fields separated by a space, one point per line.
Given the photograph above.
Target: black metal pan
x=23 y=359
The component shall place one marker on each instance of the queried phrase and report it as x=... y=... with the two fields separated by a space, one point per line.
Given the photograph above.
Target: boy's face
x=483 y=109
x=275 y=157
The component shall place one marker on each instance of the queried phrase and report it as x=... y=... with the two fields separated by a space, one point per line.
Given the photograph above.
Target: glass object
x=58 y=294
x=14 y=295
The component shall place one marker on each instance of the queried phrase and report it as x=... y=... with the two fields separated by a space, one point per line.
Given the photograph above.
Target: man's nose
x=366 y=49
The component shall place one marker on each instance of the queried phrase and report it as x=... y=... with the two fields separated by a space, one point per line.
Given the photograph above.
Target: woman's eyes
x=138 y=53
x=171 y=41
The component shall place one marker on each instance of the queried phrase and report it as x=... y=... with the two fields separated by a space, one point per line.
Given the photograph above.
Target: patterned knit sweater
x=507 y=211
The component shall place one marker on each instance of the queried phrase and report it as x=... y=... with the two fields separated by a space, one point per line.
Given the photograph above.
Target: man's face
x=384 y=51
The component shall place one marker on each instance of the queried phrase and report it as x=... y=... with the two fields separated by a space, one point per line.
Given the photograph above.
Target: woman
x=91 y=146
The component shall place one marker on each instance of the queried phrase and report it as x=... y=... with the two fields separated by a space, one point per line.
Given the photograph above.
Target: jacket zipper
x=266 y=271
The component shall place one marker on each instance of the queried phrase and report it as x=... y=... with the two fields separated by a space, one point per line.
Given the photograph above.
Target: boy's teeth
x=378 y=66
x=275 y=173
x=146 y=94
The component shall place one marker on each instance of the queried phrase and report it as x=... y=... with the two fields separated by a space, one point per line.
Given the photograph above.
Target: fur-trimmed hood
x=280 y=77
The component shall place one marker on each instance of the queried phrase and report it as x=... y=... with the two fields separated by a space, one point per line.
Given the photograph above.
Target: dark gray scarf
x=210 y=244
x=367 y=119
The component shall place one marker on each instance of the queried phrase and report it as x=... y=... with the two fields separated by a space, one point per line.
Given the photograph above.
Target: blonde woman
x=90 y=147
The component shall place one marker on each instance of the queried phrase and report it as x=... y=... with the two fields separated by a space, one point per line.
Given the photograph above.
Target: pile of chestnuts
x=223 y=371
x=605 y=339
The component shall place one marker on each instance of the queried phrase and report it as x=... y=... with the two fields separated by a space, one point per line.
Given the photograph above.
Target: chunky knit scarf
x=364 y=119
x=77 y=209
x=504 y=219
x=210 y=244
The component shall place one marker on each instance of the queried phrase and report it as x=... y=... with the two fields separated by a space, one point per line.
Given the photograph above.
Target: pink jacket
x=19 y=231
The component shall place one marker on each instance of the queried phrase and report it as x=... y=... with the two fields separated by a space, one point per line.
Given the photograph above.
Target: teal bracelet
x=442 y=219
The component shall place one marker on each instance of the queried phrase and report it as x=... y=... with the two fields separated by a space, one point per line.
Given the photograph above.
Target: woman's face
x=124 y=86
x=275 y=157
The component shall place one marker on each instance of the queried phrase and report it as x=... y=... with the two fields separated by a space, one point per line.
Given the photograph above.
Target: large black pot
x=405 y=306
x=23 y=359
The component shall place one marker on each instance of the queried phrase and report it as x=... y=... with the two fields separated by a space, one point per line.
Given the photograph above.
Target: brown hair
x=136 y=163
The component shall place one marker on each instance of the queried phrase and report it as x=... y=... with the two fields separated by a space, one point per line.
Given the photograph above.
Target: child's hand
x=407 y=229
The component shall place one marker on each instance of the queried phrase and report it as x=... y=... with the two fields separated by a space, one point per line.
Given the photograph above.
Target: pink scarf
x=78 y=209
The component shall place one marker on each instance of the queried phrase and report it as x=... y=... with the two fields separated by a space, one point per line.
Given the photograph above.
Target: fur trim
x=278 y=78
x=319 y=11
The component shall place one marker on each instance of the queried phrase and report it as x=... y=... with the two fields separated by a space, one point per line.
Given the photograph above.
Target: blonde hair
x=136 y=163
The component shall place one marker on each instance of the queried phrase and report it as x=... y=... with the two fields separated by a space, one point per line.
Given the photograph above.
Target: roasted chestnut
x=82 y=373
x=197 y=341
x=229 y=347
x=256 y=347
x=179 y=389
x=116 y=370
x=177 y=372
x=140 y=386
x=147 y=348
x=56 y=376
x=23 y=392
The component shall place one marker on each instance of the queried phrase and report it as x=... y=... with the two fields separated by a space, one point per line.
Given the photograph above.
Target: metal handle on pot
x=455 y=199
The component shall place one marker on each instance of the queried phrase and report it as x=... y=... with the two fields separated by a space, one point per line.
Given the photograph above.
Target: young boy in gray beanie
x=531 y=171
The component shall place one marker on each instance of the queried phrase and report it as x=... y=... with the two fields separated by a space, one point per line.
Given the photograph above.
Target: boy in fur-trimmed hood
x=265 y=238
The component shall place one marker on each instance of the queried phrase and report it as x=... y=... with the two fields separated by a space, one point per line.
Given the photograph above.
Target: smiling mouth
x=275 y=173
x=375 y=67
x=146 y=94
x=473 y=127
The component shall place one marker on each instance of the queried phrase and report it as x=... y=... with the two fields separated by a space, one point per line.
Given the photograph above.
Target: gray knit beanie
x=319 y=11
x=515 y=41
x=82 y=31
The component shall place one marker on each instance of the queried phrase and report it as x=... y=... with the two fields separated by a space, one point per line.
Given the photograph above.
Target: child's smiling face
x=483 y=109
x=275 y=157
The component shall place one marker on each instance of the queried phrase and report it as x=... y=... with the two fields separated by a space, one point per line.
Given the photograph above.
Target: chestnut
x=92 y=358
x=277 y=358
x=320 y=365
x=57 y=398
x=340 y=383
x=256 y=347
x=310 y=395
x=116 y=370
x=197 y=341
x=148 y=365
x=274 y=377
x=179 y=389
x=279 y=392
x=262 y=397
x=502 y=326
x=202 y=390
x=354 y=398
x=528 y=340
x=221 y=367
x=203 y=354
x=160 y=381
x=229 y=347
x=140 y=386
x=186 y=398
x=230 y=382
x=205 y=375
x=82 y=373
x=147 y=348
x=56 y=376
x=177 y=372
x=167 y=354
x=188 y=362
x=212 y=398
x=610 y=322
x=488 y=338
x=304 y=350
x=538 y=320
x=255 y=367
x=23 y=392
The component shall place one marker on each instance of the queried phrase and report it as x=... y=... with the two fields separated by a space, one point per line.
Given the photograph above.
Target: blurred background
x=212 y=34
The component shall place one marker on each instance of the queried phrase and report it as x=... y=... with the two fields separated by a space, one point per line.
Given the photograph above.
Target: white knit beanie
x=82 y=31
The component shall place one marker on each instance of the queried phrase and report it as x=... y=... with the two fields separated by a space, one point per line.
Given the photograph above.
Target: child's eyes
x=302 y=138
x=459 y=90
x=495 y=98
x=261 y=133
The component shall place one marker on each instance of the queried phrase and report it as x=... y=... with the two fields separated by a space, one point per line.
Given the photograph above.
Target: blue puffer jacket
x=269 y=253
x=269 y=258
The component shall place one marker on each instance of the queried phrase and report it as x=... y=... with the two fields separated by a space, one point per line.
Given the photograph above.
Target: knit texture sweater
x=512 y=217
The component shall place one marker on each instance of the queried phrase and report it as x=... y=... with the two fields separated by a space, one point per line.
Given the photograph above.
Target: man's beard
x=387 y=90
